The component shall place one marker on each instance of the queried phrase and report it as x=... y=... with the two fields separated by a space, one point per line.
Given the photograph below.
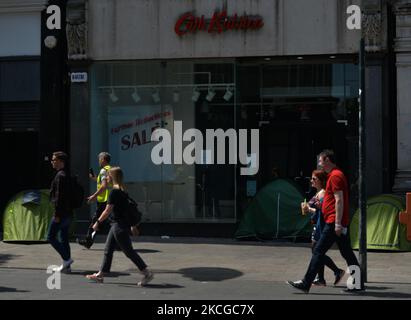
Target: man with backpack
x=101 y=195
x=60 y=197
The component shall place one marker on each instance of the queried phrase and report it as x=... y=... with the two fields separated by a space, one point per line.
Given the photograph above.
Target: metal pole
x=362 y=157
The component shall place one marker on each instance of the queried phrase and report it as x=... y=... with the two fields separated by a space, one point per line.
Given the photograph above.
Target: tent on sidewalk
x=275 y=213
x=27 y=216
x=384 y=232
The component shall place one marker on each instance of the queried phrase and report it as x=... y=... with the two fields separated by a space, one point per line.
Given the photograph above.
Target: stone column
x=403 y=54
x=374 y=24
x=77 y=50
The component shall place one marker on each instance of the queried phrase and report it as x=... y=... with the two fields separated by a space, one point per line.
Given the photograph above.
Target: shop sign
x=219 y=23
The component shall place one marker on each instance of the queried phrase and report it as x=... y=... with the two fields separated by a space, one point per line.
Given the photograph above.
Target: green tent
x=384 y=232
x=27 y=216
x=275 y=212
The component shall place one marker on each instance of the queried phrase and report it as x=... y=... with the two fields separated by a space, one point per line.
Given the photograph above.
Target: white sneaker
x=62 y=269
x=65 y=267
x=148 y=276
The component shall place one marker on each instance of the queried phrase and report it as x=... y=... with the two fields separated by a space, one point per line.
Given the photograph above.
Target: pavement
x=193 y=269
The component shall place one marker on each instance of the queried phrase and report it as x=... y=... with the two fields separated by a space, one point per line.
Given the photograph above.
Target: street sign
x=78 y=77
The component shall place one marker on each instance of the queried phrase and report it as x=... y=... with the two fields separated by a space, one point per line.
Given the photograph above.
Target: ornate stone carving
x=76 y=29
x=372 y=31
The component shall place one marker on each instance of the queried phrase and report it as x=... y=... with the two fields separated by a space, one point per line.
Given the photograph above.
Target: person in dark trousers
x=335 y=212
x=313 y=207
x=119 y=234
x=101 y=195
x=60 y=198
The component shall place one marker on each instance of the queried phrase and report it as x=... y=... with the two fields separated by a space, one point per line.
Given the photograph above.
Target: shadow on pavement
x=149 y=286
x=110 y=275
x=72 y=273
x=6 y=257
x=210 y=274
x=146 y=251
x=136 y=250
x=22 y=268
x=5 y=289
x=163 y=286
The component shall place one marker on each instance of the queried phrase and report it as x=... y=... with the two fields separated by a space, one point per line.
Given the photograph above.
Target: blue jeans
x=327 y=239
x=60 y=229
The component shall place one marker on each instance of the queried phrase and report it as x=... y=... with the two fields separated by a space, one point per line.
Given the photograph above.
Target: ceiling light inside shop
x=196 y=94
x=113 y=96
x=211 y=94
x=300 y=58
x=136 y=97
x=156 y=96
x=333 y=57
x=228 y=94
x=267 y=59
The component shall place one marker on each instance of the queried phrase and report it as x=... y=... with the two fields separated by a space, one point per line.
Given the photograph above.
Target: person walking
x=101 y=195
x=61 y=220
x=118 y=236
x=313 y=207
x=335 y=210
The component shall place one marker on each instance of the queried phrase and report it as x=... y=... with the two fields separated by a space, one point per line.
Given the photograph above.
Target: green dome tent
x=384 y=232
x=27 y=216
x=275 y=212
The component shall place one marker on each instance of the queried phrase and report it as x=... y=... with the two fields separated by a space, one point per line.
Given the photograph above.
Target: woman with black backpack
x=119 y=234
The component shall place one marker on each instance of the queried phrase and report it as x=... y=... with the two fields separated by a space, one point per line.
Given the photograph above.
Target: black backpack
x=76 y=193
x=133 y=215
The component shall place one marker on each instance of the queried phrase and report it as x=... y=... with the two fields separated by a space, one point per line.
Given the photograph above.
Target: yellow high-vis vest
x=103 y=197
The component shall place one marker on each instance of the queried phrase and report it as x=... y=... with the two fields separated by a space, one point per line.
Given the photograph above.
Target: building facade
x=288 y=68
x=33 y=113
x=402 y=47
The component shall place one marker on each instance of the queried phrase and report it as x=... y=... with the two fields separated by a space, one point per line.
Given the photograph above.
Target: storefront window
x=299 y=109
x=132 y=99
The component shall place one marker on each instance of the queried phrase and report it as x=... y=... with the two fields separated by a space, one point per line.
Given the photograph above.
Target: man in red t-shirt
x=336 y=204
x=335 y=210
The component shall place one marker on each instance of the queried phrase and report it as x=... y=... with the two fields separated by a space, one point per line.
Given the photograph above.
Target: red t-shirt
x=336 y=182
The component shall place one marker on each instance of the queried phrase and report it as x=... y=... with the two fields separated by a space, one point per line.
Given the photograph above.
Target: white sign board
x=79 y=77
x=130 y=142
